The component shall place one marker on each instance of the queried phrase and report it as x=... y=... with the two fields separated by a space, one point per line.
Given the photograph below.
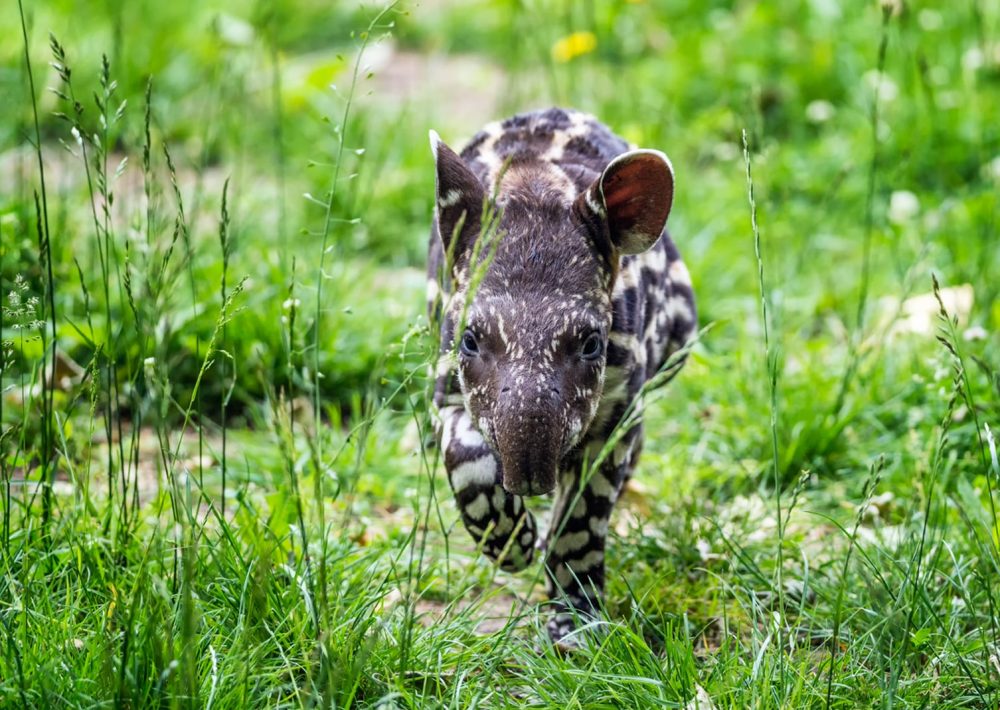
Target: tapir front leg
x=498 y=520
x=578 y=535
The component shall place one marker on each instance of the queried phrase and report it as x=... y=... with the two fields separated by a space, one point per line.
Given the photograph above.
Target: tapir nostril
x=555 y=391
x=504 y=389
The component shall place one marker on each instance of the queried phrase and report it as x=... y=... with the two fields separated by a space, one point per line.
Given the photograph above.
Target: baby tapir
x=549 y=332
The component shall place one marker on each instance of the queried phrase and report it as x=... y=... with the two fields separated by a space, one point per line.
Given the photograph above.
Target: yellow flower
x=574 y=45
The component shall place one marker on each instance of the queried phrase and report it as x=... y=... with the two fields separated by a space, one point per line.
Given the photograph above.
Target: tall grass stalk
x=228 y=362
x=183 y=222
x=319 y=463
x=771 y=359
x=92 y=149
x=47 y=453
x=989 y=539
x=328 y=218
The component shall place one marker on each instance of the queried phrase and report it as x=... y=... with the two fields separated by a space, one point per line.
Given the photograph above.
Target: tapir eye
x=469 y=345
x=592 y=347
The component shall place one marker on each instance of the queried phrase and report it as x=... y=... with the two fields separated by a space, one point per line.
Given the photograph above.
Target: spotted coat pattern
x=548 y=333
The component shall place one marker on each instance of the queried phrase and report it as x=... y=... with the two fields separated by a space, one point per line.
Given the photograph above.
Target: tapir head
x=530 y=314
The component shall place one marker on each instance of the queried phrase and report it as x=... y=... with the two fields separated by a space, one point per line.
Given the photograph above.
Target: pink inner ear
x=638 y=194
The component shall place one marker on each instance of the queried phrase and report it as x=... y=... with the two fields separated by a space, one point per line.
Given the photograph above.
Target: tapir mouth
x=529 y=487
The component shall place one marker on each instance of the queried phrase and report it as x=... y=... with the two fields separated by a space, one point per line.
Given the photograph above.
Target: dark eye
x=592 y=347
x=469 y=345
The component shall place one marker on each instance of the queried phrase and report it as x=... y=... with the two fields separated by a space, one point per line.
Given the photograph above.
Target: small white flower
x=972 y=59
x=820 y=111
x=149 y=371
x=992 y=169
x=976 y=332
x=903 y=206
x=234 y=30
x=704 y=550
x=76 y=136
x=291 y=303
x=930 y=20
x=880 y=82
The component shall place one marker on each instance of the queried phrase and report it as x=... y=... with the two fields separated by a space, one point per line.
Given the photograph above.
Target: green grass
x=225 y=497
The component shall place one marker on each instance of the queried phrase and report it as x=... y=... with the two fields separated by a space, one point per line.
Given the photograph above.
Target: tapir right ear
x=458 y=203
x=633 y=197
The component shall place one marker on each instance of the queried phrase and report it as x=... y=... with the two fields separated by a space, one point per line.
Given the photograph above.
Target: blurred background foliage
x=287 y=152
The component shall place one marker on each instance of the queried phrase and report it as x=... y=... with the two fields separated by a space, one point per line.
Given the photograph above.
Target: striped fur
x=583 y=301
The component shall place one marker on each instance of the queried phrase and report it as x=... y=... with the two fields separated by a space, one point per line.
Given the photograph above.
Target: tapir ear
x=633 y=196
x=458 y=202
